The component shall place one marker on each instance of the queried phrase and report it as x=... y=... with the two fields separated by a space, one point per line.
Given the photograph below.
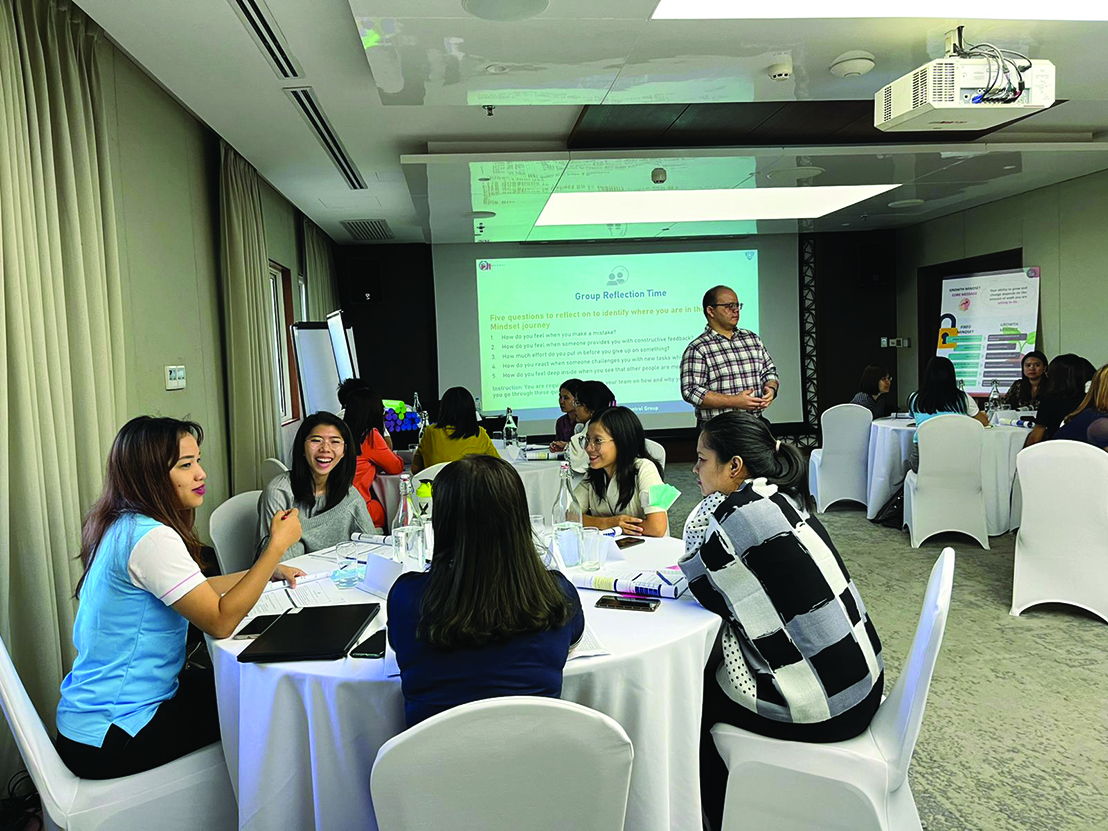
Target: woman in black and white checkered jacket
x=800 y=657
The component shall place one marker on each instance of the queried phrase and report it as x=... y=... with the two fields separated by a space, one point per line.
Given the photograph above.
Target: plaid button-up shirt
x=713 y=363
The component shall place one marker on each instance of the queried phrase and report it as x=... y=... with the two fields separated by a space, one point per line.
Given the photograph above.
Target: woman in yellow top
x=454 y=434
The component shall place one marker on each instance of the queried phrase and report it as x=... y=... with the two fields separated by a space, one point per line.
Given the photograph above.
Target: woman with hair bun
x=800 y=658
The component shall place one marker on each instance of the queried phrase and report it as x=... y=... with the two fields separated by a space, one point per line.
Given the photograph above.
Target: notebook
x=315 y=633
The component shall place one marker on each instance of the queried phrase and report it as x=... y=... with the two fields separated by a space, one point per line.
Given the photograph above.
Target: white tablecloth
x=300 y=738
x=890 y=442
x=540 y=482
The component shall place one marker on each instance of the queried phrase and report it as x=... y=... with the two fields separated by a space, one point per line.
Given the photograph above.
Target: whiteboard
x=342 y=344
x=315 y=367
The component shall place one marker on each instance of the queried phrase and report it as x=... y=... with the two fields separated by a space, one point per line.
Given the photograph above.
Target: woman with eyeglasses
x=320 y=485
x=591 y=397
x=876 y=383
x=615 y=492
x=567 y=403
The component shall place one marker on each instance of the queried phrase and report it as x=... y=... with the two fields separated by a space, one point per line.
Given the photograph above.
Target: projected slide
x=988 y=323
x=621 y=319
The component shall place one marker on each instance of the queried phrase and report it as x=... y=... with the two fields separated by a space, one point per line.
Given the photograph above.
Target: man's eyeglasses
x=731 y=307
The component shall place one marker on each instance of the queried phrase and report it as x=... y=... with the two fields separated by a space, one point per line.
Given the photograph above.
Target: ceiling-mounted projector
x=957 y=93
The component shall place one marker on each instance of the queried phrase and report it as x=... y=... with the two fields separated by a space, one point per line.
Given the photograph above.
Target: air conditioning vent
x=942 y=83
x=888 y=104
x=305 y=101
x=262 y=26
x=368 y=230
x=919 y=88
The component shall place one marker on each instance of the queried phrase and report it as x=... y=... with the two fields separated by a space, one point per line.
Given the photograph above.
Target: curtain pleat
x=250 y=360
x=61 y=329
x=319 y=267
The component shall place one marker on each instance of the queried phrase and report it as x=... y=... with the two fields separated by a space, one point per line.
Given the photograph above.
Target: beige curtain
x=319 y=268
x=61 y=325
x=247 y=320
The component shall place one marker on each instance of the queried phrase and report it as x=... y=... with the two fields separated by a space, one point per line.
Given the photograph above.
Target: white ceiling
x=409 y=77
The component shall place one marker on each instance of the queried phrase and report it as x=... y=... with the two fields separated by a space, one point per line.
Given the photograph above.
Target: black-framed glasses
x=731 y=307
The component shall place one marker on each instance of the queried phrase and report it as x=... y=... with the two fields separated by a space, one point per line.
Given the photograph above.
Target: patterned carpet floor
x=1016 y=730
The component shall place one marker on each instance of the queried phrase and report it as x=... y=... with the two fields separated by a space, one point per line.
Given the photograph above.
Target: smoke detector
x=852 y=64
x=781 y=71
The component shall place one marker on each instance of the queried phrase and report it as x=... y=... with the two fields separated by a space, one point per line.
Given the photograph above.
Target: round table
x=300 y=738
x=890 y=443
x=540 y=482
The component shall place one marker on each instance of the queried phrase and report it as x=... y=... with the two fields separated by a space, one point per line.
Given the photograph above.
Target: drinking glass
x=345 y=552
x=594 y=549
x=521 y=440
x=408 y=546
x=567 y=543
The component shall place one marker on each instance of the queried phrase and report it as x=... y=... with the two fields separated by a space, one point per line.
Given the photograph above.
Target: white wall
x=165 y=168
x=1061 y=229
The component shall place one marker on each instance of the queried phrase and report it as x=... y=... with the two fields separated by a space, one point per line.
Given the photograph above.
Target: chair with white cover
x=860 y=784
x=947 y=494
x=657 y=452
x=519 y=762
x=839 y=469
x=428 y=474
x=191 y=792
x=1062 y=545
x=271 y=469
x=234 y=529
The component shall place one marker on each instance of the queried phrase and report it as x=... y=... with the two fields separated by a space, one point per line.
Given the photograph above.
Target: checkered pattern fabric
x=798 y=645
x=728 y=366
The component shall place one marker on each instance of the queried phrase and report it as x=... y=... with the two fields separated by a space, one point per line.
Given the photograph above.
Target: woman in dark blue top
x=488 y=619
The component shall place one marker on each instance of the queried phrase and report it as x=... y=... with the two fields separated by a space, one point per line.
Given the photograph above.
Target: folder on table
x=315 y=633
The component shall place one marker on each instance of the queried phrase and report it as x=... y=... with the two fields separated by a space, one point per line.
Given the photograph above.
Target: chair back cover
x=897 y=723
x=272 y=468
x=844 y=462
x=57 y=786
x=1062 y=547
x=950 y=454
x=656 y=452
x=234 y=530
x=518 y=762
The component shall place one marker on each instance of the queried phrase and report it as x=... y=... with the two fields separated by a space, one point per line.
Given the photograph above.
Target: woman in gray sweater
x=320 y=485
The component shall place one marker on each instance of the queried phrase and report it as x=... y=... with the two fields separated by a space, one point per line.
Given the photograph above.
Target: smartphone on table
x=256 y=626
x=631 y=604
x=627 y=542
x=371 y=647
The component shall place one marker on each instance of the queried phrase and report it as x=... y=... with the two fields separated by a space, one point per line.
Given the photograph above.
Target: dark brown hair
x=741 y=434
x=137 y=482
x=486 y=583
x=341 y=476
x=872 y=376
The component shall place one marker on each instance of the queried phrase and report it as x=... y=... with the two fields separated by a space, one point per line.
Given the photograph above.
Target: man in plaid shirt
x=726 y=368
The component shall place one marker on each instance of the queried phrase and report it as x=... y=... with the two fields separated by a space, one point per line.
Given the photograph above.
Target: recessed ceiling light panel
x=505 y=10
x=906 y=203
x=668 y=206
x=820 y=9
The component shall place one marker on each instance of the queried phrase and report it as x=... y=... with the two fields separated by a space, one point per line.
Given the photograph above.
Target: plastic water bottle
x=510 y=429
x=405 y=511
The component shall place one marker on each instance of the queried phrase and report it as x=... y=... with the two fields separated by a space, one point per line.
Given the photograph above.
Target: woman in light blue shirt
x=126 y=706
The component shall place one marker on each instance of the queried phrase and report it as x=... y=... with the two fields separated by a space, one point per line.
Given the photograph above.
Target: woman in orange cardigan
x=365 y=416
